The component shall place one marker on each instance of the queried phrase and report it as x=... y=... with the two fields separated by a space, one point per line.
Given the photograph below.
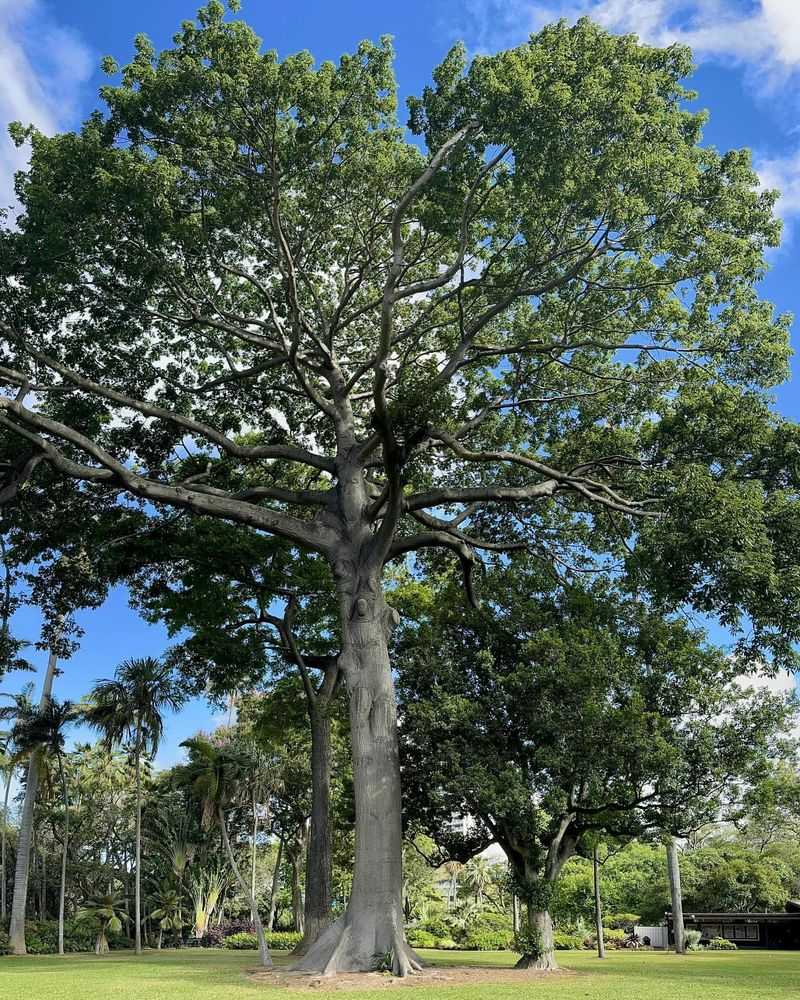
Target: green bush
x=621 y=921
x=567 y=942
x=41 y=937
x=612 y=938
x=721 y=944
x=243 y=941
x=283 y=940
x=438 y=926
x=447 y=944
x=479 y=939
x=691 y=940
x=247 y=941
x=418 y=938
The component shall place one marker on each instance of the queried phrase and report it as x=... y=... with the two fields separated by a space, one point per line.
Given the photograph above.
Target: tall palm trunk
x=63 y=887
x=3 y=906
x=254 y=806
x=263 y=949
x=598 y=906
x=138 y=874
x=16 y=934
x=674 y=870
x=276 y=884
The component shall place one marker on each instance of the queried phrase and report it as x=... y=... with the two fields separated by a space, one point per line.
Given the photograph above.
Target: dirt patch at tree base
x=459 y=975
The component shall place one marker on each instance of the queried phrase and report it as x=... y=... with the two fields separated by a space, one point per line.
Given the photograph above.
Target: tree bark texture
x=317 y=911
x=674 y=870
x=540 y=926
x=370 y=932
x=598 y=905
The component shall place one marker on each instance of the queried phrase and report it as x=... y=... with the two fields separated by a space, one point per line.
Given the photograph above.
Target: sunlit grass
x=220 y=975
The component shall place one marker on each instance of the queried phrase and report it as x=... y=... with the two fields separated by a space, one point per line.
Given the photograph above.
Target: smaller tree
x=218 y=775
x=108 y=912
x=43 y=731
x=556 y=716
x=130 y=708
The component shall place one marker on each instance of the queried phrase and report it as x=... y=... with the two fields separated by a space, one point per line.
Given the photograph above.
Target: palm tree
x=478 y=877
x=130 y=709
x=16 y=932
x=218 y=776
x=8 y=765
x=42 y=732
x=109 y=912
x=168 y=910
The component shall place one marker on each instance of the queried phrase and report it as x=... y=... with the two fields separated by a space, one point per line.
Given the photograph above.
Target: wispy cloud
x=44 y=67
x=761 y=34
x=761 y=37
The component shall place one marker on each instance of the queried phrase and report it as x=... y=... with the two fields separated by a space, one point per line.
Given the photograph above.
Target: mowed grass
x=220 y=975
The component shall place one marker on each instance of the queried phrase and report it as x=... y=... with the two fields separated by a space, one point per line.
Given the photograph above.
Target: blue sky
x=748 y=58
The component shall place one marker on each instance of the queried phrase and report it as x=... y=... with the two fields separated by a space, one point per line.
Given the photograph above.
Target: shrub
x=621 y=921
x=567 y=942
x=243 y=941
x=612 y=938
x=721 y=944
x=691 y=940
x=480 y=939
x=437 y=926
x=247 y=940
x=447 y=944
x=283 y=940
x=418 y=938
x=41 y=937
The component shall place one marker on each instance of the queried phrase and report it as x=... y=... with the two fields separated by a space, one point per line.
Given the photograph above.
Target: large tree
x=560 y=717
x=242 y=292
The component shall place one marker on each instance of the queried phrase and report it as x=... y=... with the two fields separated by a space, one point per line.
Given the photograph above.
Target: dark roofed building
x=746 y=930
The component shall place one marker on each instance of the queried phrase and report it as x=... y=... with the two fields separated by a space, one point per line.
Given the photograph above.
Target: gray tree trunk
x=276 y=884
x=674 y=870
x=317 y=913
x=16 y=933
x=62 y=891
x=370 y=932
x=254 y=805
x=598 y=906
x=263 y=949
x=137 y=916
x=297 y=895
x=3 y=906
x=540 y=926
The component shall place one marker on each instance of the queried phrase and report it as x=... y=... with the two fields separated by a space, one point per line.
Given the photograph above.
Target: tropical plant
x=43 y=732
x=130 y=708
x=218 y=775
x=22 y=709
x=167 y=911
x=206 y=888
x=108 y=912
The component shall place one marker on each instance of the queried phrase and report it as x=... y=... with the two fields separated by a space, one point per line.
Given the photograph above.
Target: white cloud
x=783 y=173
x=762 y=34
x=44 y=67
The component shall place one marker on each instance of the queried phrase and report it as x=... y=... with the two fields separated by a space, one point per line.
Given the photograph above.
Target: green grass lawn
x=220 y=975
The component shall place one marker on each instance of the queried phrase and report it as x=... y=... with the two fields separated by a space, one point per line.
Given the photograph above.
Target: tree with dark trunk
x=241 y=596
x=563 y=716
x=327 y=335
